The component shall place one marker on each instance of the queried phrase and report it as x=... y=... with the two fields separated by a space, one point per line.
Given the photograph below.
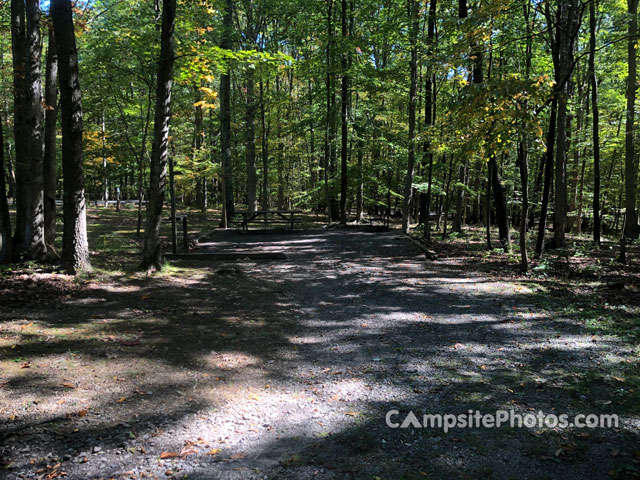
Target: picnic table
x=267 y=217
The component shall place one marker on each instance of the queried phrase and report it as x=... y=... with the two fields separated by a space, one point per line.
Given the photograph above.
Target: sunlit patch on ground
x=278 y=368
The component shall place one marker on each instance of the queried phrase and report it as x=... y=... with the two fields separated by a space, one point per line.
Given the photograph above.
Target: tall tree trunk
x=344 y=100
x=252 y=182
x=548 y=172
x=11 y=174
x=457 y=221
x=429 y=111
x=524 y=185
x=105 y=167
x=313 y=168
x=143 y=151
x=566 y=28
x=152 y=256
x=487 y=206
x=523 y=150
x=582 y=111
x=75 y=247
x=502 y=219
x=250 y=115
x=475 y=209
x=198 y=137
x=560 y=185
x=265 y=152
x=359 y=132
x=413 y=7
x=34 y=233
x=279 y=147
x=225 y=114
x=5 y=220
x=19 y=50
x=49 y=168
x=327 y=133
x=596 y=124
x=630 y=160
x=581 y=194
x=360 y=192
x=447 y=199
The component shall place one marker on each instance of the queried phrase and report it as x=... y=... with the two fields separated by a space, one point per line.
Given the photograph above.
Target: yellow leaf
x=213 y=451
x=121 y=399
x=68 y=385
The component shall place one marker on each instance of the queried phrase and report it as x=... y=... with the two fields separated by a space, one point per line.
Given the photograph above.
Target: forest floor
x=285 y=369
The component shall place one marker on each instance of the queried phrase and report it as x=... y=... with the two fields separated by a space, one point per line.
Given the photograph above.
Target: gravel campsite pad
x=286 y=368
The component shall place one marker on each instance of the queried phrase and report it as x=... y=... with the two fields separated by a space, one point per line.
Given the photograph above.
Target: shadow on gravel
x=355 y=321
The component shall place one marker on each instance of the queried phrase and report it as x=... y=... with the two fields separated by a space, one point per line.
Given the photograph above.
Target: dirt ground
x=285 y=369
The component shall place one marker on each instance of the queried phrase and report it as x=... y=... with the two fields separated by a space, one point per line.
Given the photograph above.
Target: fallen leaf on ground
x=199 y=441
x=169 y=454
x=238 y=456
x=213 y=451
x=188 y=451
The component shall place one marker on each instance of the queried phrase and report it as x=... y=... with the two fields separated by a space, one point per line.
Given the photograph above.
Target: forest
x=460 y=179
x=518 y=115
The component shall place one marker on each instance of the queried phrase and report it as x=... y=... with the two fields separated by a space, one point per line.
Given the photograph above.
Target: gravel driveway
x=285 y=369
